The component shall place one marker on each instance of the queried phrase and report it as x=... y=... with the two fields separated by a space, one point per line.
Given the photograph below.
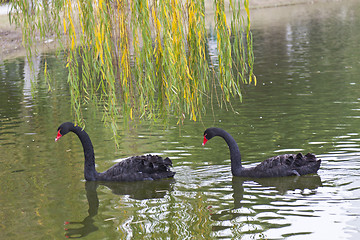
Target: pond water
x=307 y=99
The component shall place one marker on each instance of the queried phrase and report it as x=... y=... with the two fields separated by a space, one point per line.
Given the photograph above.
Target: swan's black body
x=278 y=166
x=137 y=168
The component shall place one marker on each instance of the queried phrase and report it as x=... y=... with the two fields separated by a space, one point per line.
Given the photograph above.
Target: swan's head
x=209 y=134
x=64 y=129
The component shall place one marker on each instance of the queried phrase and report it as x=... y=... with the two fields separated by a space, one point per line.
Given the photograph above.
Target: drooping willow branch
x=144 y=58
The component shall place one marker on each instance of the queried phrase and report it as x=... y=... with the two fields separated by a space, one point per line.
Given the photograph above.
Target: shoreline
x=11 y=43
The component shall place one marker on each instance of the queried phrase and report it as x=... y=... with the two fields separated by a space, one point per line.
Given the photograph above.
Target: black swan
x=137 y=168
x=278 y=166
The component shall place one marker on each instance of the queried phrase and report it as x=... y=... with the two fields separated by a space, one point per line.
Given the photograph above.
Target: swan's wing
x=284 y=160
x=289 y=164
x=291 y=160
x=146 y=167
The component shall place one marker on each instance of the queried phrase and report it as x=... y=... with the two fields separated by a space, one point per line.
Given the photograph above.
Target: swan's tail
x=156 y=166
x=307 y=164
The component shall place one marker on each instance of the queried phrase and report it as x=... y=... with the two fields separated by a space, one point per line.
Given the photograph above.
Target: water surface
x=307 y=99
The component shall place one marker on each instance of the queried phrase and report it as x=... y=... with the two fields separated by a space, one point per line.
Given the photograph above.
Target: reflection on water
x=31 y=72
x=307 y=98
x=265 y=189
x=87 y=225
x=136 y=190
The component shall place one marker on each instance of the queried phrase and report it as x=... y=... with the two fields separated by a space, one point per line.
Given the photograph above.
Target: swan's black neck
x=235 y=155
x=90 y=173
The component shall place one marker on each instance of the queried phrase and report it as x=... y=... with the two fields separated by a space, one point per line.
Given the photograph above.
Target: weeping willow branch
x=143 y=58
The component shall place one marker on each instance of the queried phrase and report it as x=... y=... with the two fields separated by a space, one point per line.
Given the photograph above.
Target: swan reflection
x=135 y=190
x=262 y=192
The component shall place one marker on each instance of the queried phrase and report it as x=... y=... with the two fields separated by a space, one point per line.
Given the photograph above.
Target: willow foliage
x=143 y=58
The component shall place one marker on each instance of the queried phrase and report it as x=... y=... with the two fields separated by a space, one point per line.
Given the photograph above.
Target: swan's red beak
x=58 y=136
x=205 y=140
